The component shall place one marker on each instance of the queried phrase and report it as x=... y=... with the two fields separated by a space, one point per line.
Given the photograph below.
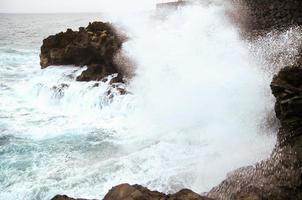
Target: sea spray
x=198 y=84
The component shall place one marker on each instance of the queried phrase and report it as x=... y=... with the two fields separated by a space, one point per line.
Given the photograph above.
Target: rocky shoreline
x=137 y=192
x=279 y=177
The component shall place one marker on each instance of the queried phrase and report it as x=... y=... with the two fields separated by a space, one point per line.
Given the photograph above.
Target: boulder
x=137 y=192
x=94 y=46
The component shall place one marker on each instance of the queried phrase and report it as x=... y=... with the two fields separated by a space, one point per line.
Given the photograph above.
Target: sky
x=59 y=6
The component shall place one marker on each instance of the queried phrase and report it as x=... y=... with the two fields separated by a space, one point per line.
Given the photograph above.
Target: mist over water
x=198 y=108
x=201 y=87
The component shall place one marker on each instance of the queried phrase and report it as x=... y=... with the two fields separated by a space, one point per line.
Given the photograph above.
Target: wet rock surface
x=287 y=88
x=94 y=46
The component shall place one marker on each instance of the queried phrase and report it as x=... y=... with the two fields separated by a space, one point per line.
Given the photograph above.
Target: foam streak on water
x=196 y=110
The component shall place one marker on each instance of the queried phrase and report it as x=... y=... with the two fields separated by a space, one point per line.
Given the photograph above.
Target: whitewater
x=198 y=107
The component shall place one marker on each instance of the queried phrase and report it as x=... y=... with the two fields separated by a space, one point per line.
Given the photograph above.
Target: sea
x=198 y=107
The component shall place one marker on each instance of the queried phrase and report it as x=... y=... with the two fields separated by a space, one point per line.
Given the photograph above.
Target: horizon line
x=67 y=12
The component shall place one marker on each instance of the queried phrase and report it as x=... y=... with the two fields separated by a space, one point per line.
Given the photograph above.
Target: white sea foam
x=195 y=111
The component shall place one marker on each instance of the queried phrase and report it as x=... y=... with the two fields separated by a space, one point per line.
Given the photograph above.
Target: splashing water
x=195 y=112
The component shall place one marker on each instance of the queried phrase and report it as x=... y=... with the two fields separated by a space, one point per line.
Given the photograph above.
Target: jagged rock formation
x=94 y=46
x=257 y=17
x=137 y=192
x=280 y=177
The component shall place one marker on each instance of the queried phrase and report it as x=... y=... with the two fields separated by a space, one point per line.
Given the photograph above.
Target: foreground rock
x=280 y=177
x=137 y=192
x=94 y=46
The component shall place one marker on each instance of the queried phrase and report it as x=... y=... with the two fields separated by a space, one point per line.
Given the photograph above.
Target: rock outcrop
x=137 y=192
x=94 y=46
x=287 y=88
x=280 y=177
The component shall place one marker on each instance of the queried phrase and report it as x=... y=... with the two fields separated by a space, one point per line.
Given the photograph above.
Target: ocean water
x=198 y=108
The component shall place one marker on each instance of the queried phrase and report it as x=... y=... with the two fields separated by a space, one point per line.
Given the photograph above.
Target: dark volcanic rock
x=137 y=192
x=98 y=72
x=64 y=197
x=280 y=177
x=94 y=46
x=287 y=88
